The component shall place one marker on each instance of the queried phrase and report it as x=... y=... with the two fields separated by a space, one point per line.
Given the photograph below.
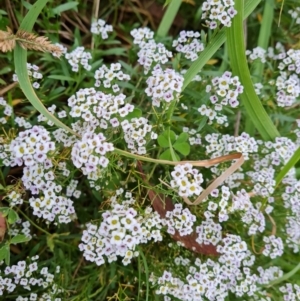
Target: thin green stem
x=33 y=223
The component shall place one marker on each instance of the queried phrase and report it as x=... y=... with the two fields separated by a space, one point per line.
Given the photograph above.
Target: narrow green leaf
x=168 y=18
x=284 y=277
x=64 y=7
x=61 y=77
x=19 y=239
x=213 y=46
x=20 y=59
x=182 y=147
x=263 y=38
x=236 y=51
x=290 y=164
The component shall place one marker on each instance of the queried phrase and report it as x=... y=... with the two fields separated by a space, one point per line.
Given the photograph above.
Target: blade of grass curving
x=284 y=277
x=168 y=18
x=213 y=46
x=291 y=163
x=20 y=59
x=236 y=51
x=263 y=42
x=263 y=38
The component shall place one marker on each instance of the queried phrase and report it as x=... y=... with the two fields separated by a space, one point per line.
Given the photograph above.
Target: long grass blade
x=20 y=59
x=236 y=51
x=289 y=165
x=168 y=18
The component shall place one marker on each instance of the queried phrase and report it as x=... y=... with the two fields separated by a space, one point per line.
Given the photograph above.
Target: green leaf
x=163 y=141
x=183 y=137
x=136 y=113
x=12 y=216
x=5 y=254
x=20 y=60
x=236 y=52
x=4 y=211
x=19 y=239
x=202 y=123
x=62 y=77
x=64 y=7
x=182 y=147
x=166 y=155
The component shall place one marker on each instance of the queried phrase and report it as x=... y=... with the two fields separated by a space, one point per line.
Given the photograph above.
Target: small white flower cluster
x=257 y=53
x=28 y=276
x=96 y=109
x=22 y=122
x=288 y=89
x=211 y=280
x=79 y=57
x=89 y=152
x=99 y=27
x=295 y=14
x=291 y=292
x=234 y=252
x=8 y=110
x=223 y=203
x=269 y=274
x=163 y=85
x=187 y=180
x=218 y=12
x=33 y=147
x=251 y=214
x=288 y=83
x=120 y=232
x=181 y=220
x=188 y=44
x=32 y=72
x=135 y=132
x=53 y=206
x=108 y=76
x=273 y=246
x=150 y=51
x=15 y=198
x=20 y=227
x=224 y=91
x=219 y=145
x=196 y=140
x=275 y=154
x=141 y=36
x=209 y=232
x=291 y=199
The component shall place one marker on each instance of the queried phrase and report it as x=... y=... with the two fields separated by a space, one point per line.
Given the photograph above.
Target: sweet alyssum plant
x=155 y=178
